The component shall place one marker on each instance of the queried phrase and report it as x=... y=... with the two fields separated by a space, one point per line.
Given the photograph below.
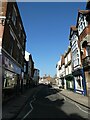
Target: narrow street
x=49 y=103
x=44 y=60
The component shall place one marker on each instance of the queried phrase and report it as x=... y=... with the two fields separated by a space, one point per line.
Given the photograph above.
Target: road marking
x=75 y=104
x=82 y=109
x=31 y=108
x=78 y=106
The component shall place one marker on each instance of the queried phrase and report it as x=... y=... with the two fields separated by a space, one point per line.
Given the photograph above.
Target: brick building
x=12 y=45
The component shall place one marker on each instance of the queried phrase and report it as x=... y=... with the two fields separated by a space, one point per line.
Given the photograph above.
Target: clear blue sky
x=47 y=27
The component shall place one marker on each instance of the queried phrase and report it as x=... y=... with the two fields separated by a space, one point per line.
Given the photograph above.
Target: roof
x=84 y=11
x=49 y=78
x=73 y=28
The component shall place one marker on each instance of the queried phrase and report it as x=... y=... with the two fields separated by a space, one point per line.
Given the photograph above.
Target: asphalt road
x=49 y=103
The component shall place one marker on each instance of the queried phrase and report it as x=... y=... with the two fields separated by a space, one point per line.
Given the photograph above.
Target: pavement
x=13 y=107
x=76 y=97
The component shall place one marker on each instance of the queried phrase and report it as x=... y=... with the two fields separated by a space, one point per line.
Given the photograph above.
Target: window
x=17 y=54
x=81 y=23
x=14 y=15
x=9 y=79
x=79 y=83
x=11 y=42
x=20 y=30
x=12 y=34
x=18 y=45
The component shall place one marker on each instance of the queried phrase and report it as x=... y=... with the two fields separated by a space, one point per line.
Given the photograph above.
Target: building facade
x=77 y=58
x=58 y=69
x=29 y=68
x=77 y=69
x=69 y=81
x=83 y=25
x=12 y=46
x=62 y=72
x=36 y=76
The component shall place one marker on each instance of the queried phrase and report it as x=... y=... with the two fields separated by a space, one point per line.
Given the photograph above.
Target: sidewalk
x=76 y=97
x=12 y=108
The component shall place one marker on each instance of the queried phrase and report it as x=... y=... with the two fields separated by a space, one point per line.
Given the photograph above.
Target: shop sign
x=10 y=65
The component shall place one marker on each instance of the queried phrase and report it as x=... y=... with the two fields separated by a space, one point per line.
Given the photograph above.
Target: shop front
x=79 y=79
x=62 y=82
x=69 y=82
x=11 y=73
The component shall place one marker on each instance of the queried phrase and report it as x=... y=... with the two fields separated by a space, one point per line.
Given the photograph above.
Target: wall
x=87 y=76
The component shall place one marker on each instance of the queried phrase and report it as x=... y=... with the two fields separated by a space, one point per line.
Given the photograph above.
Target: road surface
x=49 y=103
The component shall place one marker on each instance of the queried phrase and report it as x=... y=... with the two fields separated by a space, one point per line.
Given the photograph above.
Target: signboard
x=10 y=65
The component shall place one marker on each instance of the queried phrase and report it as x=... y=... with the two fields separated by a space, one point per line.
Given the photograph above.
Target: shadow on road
x=49 y=106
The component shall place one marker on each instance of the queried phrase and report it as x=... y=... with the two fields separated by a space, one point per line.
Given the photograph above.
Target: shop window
x=79 y=83
x=9 y=79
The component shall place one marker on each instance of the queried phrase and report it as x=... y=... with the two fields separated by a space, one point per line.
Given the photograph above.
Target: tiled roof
x=84 y=11
x=73 y=28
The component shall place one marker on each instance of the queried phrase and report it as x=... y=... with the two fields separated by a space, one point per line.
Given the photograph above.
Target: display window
x=79 y=82
x=9 y=79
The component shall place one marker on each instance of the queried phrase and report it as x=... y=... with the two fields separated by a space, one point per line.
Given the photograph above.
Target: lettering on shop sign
x=10 y=65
